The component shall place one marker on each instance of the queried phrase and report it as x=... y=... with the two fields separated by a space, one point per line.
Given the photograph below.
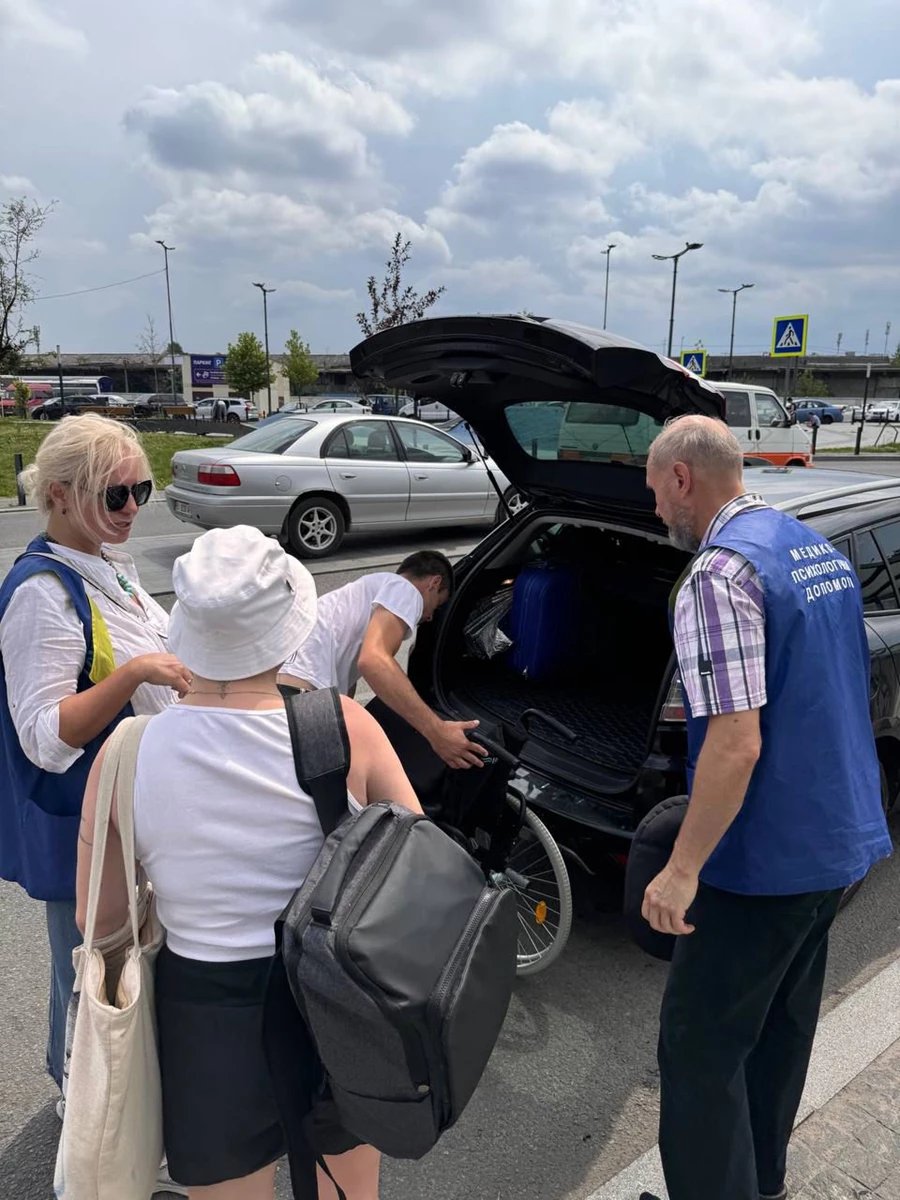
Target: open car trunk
x=611 y=644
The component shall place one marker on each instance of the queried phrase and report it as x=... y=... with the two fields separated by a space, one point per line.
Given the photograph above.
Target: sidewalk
x=850 y=1148
x=846 y=1141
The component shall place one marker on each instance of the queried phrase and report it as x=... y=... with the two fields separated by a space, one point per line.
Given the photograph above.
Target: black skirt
x=220 y=1117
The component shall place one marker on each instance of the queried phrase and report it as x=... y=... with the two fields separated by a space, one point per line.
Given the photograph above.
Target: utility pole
x=887 y=334
x=840 y=338
x=266 y=291
x=674 y=260
x=166 y=250
x=733 y=292
x=866 y=347
x=610 y=247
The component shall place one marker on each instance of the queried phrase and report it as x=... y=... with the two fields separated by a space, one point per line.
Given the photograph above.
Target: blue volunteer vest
x=812 y=818
x=40 y=811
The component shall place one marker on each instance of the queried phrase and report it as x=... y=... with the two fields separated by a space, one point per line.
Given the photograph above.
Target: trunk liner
x=613 y=733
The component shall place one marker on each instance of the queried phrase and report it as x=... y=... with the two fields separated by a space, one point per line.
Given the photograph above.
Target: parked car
x=147 y=403
x=428 y=410
x=311 y=477
x=52 y=410
x=618 y=745
x=338 y=405
x=239 y=409
x=884 y=410
x=828 y=414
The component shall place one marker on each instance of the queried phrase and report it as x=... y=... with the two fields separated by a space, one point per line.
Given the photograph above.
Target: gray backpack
x=398 y=952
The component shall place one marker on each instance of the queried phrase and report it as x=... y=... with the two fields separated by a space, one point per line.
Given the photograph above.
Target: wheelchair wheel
x=536 y=872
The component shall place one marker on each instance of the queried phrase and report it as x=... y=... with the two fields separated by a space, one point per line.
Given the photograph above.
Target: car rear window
x=583 y=430
x=274 y=438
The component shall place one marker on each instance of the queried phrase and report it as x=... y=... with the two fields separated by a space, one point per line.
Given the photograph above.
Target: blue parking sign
x=694 y=361
x=789 y=336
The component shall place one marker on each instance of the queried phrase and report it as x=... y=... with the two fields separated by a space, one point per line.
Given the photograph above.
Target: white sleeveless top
x=222 y=828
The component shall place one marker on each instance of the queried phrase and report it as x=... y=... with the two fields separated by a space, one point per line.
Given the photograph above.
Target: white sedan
x=311 y=477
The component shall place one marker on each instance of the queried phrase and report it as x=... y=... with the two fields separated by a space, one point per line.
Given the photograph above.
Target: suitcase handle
x=327 y=890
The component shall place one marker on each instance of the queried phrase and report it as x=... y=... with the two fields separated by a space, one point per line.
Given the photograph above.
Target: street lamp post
x=674 y=258
x=733 y=292
x=266 y=291
x=166 y=250
x=611 y=246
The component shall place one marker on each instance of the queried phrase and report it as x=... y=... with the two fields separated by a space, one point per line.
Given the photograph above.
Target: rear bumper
x=266 y=513
x=619 y=816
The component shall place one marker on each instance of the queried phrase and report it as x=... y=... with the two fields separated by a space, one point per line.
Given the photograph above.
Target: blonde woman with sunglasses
x=82 y=645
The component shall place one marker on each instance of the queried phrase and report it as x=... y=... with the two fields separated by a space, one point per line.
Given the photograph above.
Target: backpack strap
x=321 y=750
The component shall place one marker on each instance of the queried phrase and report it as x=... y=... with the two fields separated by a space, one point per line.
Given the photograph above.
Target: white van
x=761 y=424
x=611 y=432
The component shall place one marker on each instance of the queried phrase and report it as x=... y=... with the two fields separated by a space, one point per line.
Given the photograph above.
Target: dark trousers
x=738 y=1020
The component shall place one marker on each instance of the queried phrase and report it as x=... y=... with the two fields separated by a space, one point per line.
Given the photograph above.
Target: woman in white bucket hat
x=226 y=835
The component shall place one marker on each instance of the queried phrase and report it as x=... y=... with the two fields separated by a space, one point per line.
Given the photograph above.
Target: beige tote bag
x=111 y=1143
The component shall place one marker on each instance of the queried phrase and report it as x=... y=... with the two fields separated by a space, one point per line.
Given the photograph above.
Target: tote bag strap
x=116 y=777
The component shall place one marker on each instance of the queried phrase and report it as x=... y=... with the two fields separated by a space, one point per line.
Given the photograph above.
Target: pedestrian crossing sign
x=789 y=336
x=694 y=361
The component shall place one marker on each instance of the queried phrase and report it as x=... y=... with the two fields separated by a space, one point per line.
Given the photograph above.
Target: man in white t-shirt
x=359 y=629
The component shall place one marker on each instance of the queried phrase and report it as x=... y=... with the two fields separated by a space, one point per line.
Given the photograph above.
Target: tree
x=174 y=348
x=298 y=364
x=808 y=384
x=245 y=365
x=21 y=396
x=388 y=305
x=20 y=223
x=148 y=345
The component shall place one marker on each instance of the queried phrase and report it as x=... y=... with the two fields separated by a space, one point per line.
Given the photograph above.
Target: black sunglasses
x=116 y=497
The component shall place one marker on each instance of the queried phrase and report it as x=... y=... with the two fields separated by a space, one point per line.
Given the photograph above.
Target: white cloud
x=314 y=293
x=31 y=22
x=228 y=218
x=17 y=185
x=293 y=120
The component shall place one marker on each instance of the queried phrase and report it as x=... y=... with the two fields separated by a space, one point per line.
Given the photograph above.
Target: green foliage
x=21 y=395
x=808 y=384
x=388 y=304
x=298 y=365
x=174 y=348
x=245 y=365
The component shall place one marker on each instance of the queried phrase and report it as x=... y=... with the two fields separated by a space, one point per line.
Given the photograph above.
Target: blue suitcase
x=544 y=622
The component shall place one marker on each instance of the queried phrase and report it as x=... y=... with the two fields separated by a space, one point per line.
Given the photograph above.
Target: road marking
x=848 y=1039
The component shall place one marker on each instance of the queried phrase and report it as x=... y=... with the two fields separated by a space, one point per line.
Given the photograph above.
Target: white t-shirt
x=222 y=828
x=42 y=644
x=328 y=657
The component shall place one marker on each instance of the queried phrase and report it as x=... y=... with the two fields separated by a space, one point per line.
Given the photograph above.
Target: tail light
x=673 y=706
x=219 y=474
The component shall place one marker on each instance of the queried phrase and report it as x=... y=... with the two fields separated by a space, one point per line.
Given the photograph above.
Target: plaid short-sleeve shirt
x=720 y=632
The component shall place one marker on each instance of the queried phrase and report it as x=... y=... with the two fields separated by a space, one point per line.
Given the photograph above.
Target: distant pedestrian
x=785 y=812
x=813 y=420
x=83 y=645
x=219 y=409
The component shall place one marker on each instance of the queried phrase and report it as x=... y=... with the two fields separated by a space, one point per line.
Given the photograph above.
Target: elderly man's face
x=673 y=490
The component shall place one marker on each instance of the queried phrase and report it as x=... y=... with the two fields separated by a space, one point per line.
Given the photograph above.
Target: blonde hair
x=82 y=452
x=700 y=442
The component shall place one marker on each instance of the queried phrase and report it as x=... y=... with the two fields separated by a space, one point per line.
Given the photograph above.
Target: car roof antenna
x=490 y=474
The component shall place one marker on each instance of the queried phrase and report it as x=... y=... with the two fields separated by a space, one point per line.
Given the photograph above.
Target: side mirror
x=468 y=456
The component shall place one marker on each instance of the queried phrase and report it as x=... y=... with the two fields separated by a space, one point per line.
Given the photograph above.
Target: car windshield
x=275 y=438
x=583 y=430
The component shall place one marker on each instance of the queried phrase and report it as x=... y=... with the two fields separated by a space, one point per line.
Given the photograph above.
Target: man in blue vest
x=785 y=812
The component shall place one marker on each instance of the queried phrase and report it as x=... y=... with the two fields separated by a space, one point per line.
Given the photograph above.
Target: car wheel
x=827 y=420
x=515 y=502
x=232 y=417
x=851 y=891
x=315 y=527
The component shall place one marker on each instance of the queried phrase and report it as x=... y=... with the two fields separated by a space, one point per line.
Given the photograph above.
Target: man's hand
x=448 y=740
x=667 y=899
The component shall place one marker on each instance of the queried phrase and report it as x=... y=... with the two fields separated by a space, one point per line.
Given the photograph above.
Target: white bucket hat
x=243 y=606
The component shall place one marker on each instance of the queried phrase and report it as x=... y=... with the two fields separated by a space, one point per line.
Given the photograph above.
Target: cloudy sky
x=287 y=140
